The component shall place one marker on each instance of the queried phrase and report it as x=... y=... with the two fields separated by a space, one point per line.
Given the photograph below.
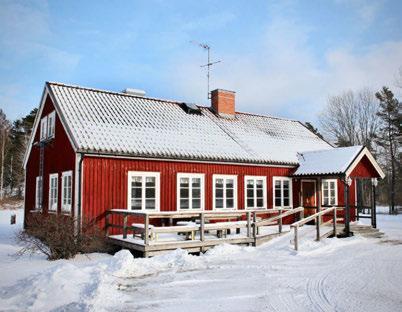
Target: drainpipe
x=79 y=191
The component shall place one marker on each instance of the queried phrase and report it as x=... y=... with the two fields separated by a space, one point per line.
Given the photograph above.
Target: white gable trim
x=365 y=152
x=45 y=94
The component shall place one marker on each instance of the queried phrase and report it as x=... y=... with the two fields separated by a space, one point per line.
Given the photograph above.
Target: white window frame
x=190 y=198
x=264 y=191
x=224 y=177
x=52 y=206
x=43 y=128
x=38 y=194
x=66 y=208
x=144 y=175
x=51 y=123
x=274 y=179
x=329 y=190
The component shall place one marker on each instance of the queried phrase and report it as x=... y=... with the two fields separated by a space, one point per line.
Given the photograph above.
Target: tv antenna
x=208 y=64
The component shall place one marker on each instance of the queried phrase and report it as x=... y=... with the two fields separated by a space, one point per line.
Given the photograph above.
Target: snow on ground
x=353 y=274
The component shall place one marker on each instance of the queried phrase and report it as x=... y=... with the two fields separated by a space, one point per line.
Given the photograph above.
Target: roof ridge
x=267 y=116
x=158 y=99
x=113 y=92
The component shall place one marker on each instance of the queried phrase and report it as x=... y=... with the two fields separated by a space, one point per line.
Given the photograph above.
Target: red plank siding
x=59 y=156
x=364 y=169
x=105 y=181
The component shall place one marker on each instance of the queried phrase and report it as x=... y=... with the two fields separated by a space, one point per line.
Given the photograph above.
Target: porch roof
x=334 y=162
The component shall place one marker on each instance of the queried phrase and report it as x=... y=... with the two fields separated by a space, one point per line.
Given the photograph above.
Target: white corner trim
x=365 y=152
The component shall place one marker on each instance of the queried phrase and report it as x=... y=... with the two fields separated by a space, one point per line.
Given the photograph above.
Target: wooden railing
x=318 y=223
x=251 y=222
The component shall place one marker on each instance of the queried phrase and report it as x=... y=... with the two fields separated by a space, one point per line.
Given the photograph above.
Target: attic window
x=191 y=108
x=47 y=126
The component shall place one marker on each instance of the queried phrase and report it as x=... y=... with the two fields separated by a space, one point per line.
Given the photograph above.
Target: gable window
x=225 y=191
x=38 y=193
x=282 y=192
x=66 y=191
x=53 y=187
x=190 y=191
x=329 y=192
x=143 y=190
x=43 y=128
x=51 y=119
x=255 y=192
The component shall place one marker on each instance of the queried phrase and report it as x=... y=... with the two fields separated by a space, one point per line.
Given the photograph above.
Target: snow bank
x=321 y=276
x=123 y=264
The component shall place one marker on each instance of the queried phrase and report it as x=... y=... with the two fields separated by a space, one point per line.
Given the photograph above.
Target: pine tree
x=388 y=135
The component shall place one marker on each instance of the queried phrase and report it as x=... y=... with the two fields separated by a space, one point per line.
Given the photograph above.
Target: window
x=225 y=192
x=53 y=186
x=47 y=126
x=43 y=128
x=255 y=192
x=51 y=124
x=143 y=190
x=66 y=191
x=282 y=192
x=190 y=191
x=329 y=192
x=38 y=193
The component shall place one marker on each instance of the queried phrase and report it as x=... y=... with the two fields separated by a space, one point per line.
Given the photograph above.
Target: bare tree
x=350 y=118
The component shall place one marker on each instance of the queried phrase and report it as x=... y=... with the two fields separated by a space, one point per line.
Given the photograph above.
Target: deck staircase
x=366 y=231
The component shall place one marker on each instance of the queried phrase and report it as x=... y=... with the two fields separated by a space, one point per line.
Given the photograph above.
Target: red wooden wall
x=59 y=156
x=106 y=179
x=364 y=169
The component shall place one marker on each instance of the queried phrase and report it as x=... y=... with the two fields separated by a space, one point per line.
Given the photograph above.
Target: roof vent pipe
x=136 y=92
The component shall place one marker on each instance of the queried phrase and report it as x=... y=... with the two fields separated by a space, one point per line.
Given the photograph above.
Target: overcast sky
x=282 y=58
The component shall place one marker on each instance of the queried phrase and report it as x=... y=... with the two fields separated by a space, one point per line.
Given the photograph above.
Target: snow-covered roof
x=118 y=123
x=336 y=161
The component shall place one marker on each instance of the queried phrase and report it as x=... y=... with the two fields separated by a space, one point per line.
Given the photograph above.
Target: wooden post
x=296 y=238
x=202 y=227
x=146 y=229
x=373 y=207
x=347 y=210
x=255 y=227
x=107 y=223
x=318 y=219
x=125 y=226
x=248 y=214
x=280 y=221
x=334 y=220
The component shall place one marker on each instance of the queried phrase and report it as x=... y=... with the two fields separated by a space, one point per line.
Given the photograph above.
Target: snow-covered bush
x=57 y=236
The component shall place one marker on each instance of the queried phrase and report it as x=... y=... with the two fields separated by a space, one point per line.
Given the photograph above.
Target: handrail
x=214 y=213
x=251 y=222
x=316 y=216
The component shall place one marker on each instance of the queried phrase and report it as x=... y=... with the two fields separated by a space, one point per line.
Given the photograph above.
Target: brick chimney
x=223 y=103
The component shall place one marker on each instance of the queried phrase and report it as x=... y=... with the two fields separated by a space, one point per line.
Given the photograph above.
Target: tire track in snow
x=316 y=293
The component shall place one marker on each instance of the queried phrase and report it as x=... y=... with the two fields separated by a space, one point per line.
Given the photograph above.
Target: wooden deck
x=247 y=227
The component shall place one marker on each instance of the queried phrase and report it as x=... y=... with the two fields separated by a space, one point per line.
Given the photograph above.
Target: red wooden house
x=94 y=150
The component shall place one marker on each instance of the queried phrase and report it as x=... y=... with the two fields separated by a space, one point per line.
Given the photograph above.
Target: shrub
x=57 y=237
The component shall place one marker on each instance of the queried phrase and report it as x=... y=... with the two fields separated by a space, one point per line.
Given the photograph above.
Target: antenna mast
x=208 y=65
